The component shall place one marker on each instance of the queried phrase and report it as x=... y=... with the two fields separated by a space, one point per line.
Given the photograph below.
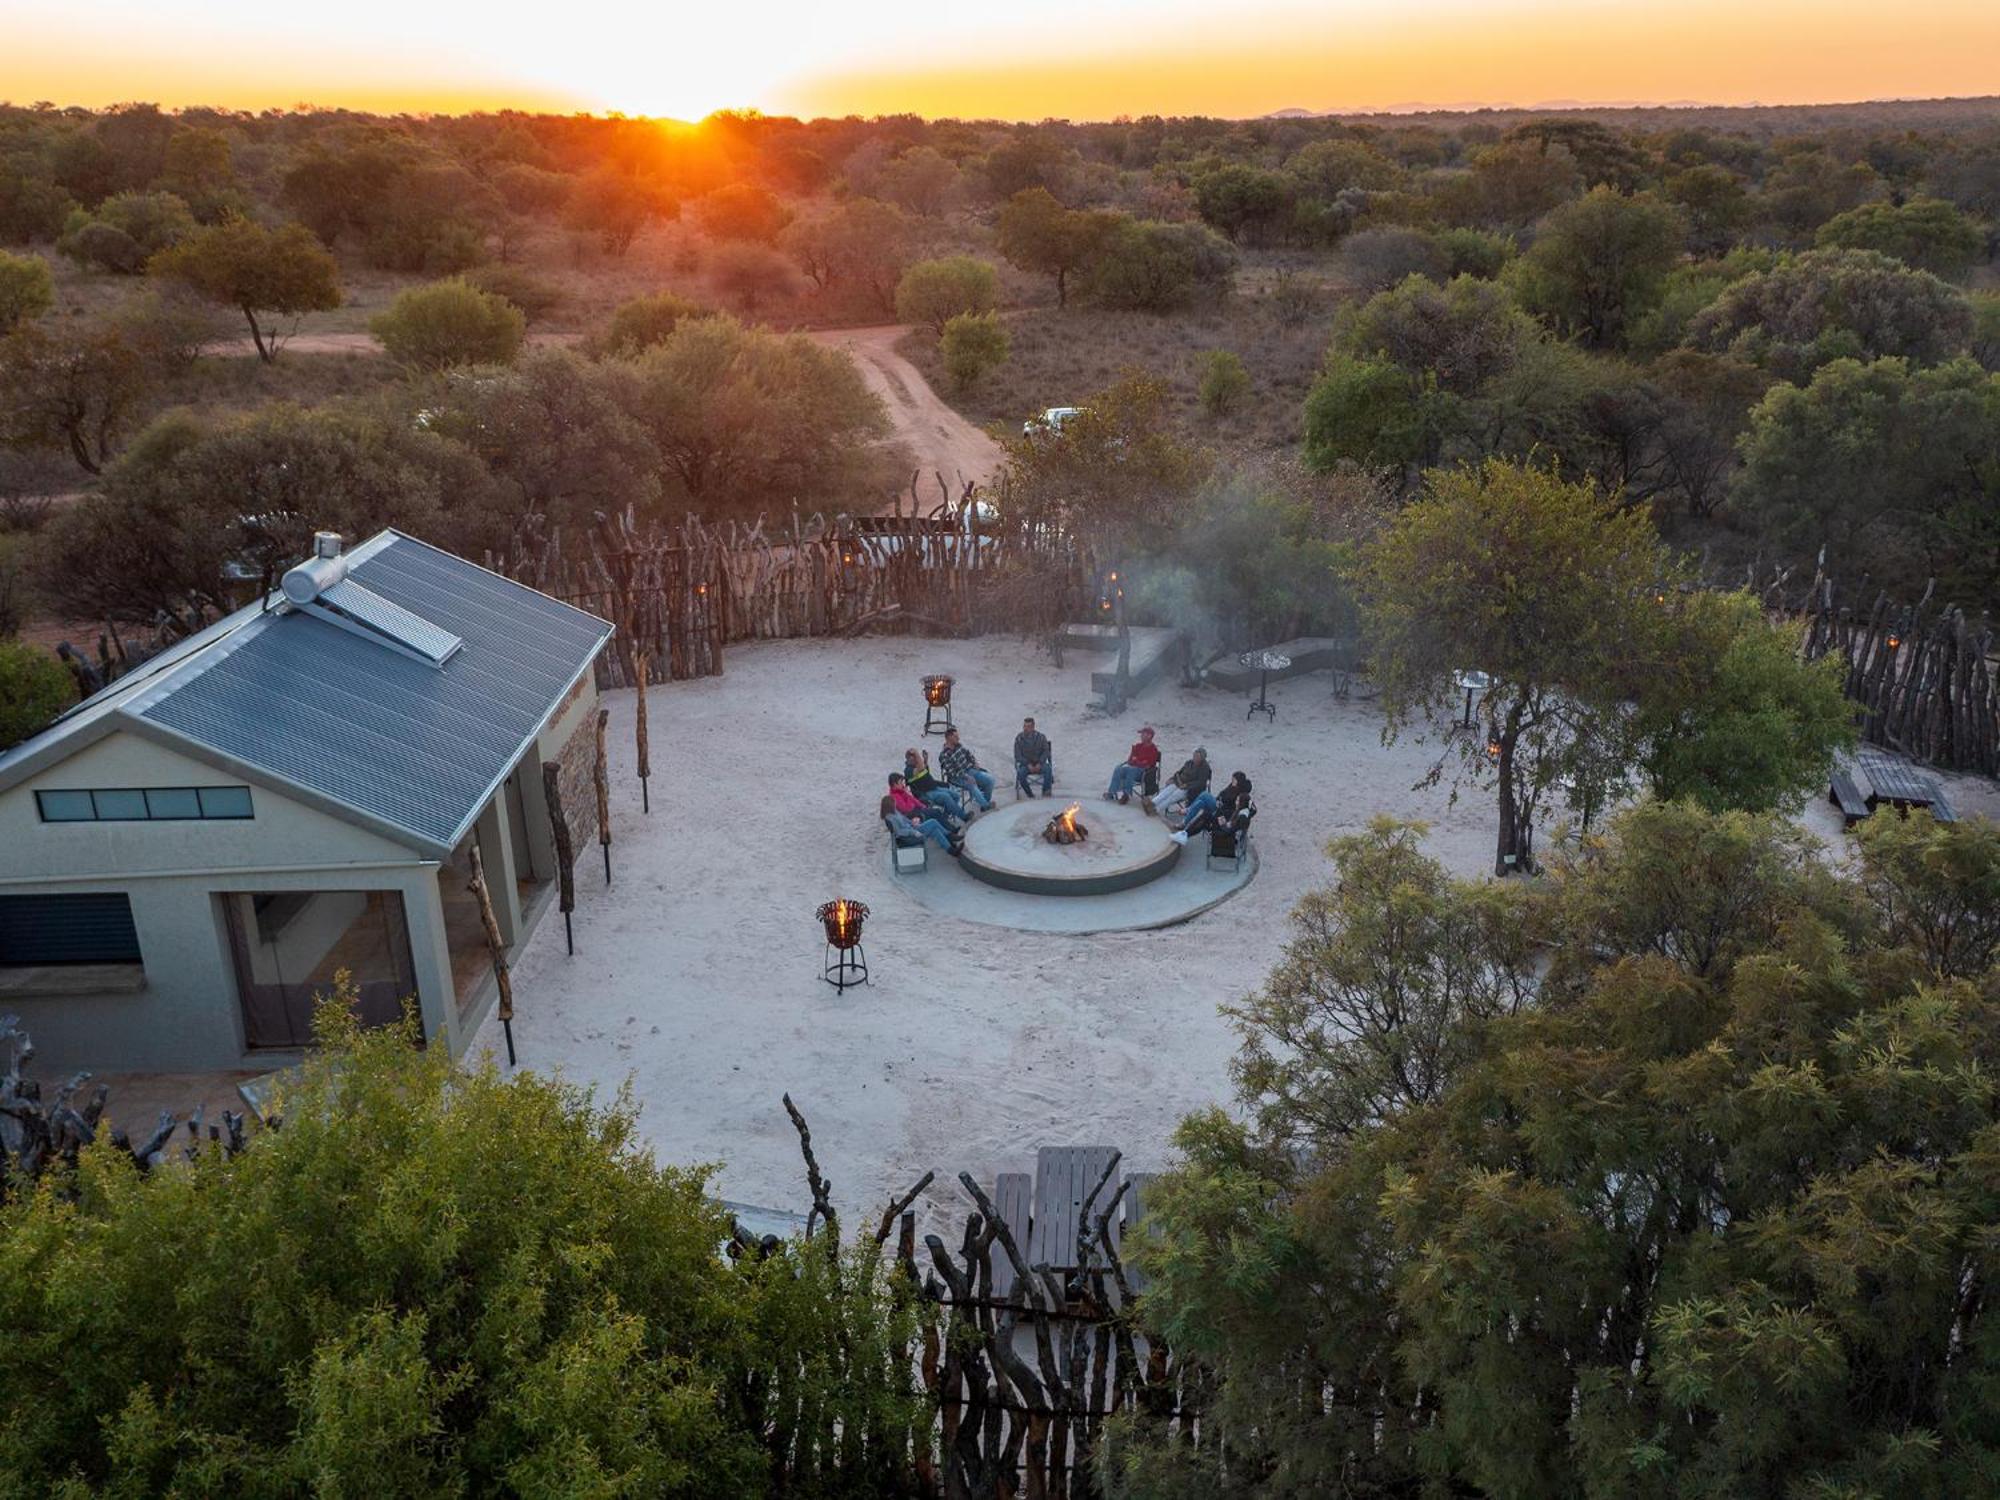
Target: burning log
x=1066 y=827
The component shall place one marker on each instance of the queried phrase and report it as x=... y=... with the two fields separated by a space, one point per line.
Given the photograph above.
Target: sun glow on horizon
x=1036 y=59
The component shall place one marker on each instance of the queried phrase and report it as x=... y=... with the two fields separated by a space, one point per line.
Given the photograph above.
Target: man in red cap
x=1131 y=776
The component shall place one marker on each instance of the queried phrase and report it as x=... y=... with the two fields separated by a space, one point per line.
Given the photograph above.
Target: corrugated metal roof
x=414 y=746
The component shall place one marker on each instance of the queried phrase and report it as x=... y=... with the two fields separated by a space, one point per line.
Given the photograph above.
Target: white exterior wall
x=187 y=1016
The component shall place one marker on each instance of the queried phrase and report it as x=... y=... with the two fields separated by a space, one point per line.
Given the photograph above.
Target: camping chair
x=1229 y=843
x=907 y=854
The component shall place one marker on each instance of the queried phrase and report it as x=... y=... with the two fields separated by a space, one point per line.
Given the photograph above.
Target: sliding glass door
x=288 y=945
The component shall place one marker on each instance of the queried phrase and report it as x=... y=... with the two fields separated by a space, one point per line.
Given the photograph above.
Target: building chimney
x=326 y=567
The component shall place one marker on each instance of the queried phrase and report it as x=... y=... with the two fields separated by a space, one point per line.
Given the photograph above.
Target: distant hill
x=1753 y=118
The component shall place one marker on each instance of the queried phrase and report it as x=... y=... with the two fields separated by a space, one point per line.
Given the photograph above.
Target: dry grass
x=1059 y=358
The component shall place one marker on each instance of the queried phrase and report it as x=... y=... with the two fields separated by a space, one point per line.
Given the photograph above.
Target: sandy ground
x=939 y=439
x=696 y=975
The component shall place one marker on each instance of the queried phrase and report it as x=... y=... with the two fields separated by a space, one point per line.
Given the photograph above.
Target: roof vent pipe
x=318 y=573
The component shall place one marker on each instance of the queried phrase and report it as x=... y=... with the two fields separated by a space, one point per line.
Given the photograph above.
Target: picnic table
x=1862 y=783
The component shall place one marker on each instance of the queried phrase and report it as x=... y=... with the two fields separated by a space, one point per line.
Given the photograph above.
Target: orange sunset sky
x=1026 y=59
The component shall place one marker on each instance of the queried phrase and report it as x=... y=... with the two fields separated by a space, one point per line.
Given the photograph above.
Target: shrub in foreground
x=431 y=1281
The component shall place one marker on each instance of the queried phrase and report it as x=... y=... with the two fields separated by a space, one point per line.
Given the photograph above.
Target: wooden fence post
x=565 y=848
x=495 y=947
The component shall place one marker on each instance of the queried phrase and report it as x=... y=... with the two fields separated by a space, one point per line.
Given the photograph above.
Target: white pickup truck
x=1050 y=422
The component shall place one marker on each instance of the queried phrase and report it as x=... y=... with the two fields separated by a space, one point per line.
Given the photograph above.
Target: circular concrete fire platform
x=1122 y=848
x=1179 y=882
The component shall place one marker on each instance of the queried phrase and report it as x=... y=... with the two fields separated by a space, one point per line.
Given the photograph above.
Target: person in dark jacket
x=1033 y=756
x=1231 y=806
x=1191 y=780
x=963 y=770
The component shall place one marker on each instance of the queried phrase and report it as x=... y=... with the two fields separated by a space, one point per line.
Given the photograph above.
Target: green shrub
x=638 y=325
x=1474 y=252
x=1224 y=383
x=1149 y=267
x=450 y=323
x=933 y=292
x=34 y=688
x=434 y=1280
x=534 y=295
x=27 y=290
x=125 y=230
x=974 y=343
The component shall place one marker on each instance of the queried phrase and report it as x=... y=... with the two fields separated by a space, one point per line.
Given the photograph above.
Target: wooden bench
x=1064 y=1176
x=1013 y=1196
x=1313 y=653
x=1155 y=652
x=1140 y=1184
x=1849 y=790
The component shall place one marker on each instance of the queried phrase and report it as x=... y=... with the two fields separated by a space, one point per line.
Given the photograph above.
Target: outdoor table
x=1470 y=682
x=1266 y=662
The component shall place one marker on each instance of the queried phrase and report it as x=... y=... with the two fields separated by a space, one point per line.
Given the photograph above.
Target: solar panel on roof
x=357 y=607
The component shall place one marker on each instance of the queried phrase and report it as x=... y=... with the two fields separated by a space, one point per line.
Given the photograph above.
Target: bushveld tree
x=536 y=296
x=1926 y=233
x=188 y=496
x=742 y=211
x=31 y=207
x=1714 y=202
x=639 y=324
x=1414 y=375
x=125 y=230
x=1660 y=1227
x=1244 y=202
x=168 y=326
x=449 y=323
x=557 y=433
x=1549 y=589
x=1225 y=383
x=1329 y=168
x=615 y=205
x=1112 y=472
x=974 y=344
x=1473 y=252
x=263 y=273
x=26 y=289
x=923 y=179
x=862 y=243
x=1514 y=183
x=1833 y=304
x=750 y=272
x=933 y=292
x=34 y=688
x=468 y=1285
x=70 y=386
x=1144 y=266
x=1895 y=470
x=1597 y=264
x=1809 y=187
x=1734 y=717
x=198 y=167
x=1038 y=234
x=1377 y=259
x=1027 y=163
x=742 y=417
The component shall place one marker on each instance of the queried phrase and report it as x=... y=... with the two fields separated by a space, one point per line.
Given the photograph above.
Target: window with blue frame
x=152 y=804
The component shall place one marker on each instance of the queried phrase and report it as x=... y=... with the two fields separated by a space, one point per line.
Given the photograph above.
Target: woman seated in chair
x=911 y=821
x=1231 y=808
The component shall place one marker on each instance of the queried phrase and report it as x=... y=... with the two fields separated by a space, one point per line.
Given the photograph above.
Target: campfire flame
x=842 y=919
x=1066 y=827
x=937 y=691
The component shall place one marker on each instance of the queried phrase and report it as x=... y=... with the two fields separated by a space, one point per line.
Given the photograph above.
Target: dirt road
x=939 y=439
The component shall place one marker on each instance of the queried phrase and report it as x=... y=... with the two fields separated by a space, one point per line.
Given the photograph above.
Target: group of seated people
x=937 y=805
x=1226 y=813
